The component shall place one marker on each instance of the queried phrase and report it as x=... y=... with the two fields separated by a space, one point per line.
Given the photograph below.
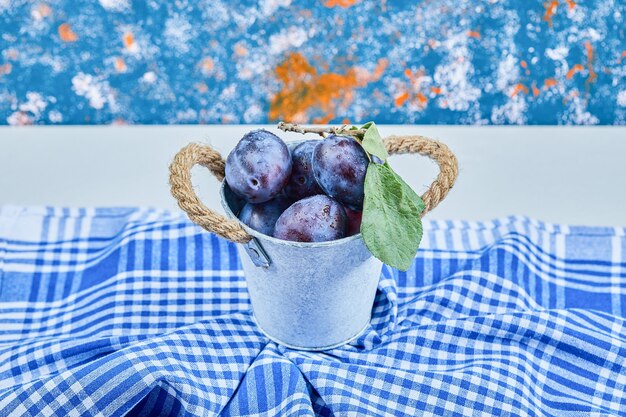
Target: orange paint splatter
x=201 y=87
x=589 y=51
x=415 y=76
x=622 y=56
x=345 y=121
x=240 y=50
x=363 y=76
x=129 y=40
x=571 y=4
x=303 y=89
x=550 y=11
x=524 y=64
x=576 y=68
x=22 y=118
x=206 y=65
x=381 y=66
x=550 y=82
x=120 y=65
x=340 y=3
x=401 y=99
x=518 y=88
x=571 y=96
x=535 y=90
x=433 y=43
x=324 y=120
x=421 y=99
x=11 y=54
x=473 y=34
x=6 y=69
x=41 y=11
x=66 y=34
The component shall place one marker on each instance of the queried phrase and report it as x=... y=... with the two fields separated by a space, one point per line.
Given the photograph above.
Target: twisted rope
x=182 y=190
x=438 y=152
x=196 y=154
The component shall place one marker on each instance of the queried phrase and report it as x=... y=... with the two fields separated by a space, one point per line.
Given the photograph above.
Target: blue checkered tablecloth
x=110 y=312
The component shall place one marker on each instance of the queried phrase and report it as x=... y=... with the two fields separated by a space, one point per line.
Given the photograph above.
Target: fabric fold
x=107 y=312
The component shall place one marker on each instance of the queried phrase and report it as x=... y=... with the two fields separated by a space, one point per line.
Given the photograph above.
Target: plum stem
x=322 y=131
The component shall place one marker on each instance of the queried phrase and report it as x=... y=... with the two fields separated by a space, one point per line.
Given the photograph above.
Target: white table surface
x=571 y=175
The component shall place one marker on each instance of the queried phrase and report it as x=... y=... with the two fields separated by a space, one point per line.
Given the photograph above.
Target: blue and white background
x=215 y=61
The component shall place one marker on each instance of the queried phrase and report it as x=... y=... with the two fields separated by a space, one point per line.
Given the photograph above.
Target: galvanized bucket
x=307 y=296
x=312 y=296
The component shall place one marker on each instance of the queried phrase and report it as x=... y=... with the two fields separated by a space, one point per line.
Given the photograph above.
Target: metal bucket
x=308 y=296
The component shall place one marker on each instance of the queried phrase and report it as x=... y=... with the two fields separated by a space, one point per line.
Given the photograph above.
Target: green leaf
x=411 y=194
x=391 y=225
x=373 y=143
x=358 y=136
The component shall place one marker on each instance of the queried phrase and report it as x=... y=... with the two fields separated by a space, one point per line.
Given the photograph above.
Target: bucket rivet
x=257 y=254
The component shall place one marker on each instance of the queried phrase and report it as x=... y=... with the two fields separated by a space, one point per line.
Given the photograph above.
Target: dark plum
x=354 y=221
x=339 y=165
x=313 y=219
x=302 y=182
x=262 y=217
x=259 y=166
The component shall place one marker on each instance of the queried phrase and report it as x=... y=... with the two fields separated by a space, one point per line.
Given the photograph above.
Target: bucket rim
x=274 y=240
x=312 y=348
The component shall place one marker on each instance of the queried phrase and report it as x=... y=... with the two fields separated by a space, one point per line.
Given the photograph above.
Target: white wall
x=574 y=175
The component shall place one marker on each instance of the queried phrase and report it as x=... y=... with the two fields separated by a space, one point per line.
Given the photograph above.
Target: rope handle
x=197 y=154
